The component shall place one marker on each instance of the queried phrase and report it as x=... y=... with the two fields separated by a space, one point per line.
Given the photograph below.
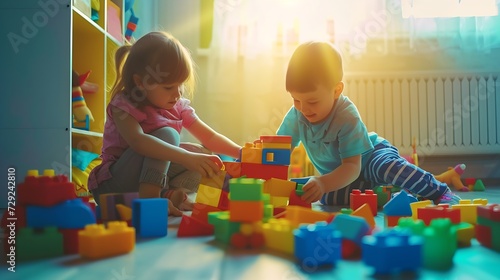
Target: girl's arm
x=342 y=176
x=213 y=140
x=153 y=147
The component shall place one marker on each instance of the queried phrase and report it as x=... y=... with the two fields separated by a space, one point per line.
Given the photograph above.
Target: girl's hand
x=206 y=165
x=313 y=190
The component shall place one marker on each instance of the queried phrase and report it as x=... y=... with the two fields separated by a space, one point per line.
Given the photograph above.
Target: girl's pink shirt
x=149 y=118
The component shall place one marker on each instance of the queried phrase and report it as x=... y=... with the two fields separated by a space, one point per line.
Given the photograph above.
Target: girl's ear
x=138 y=81
x=339 y=88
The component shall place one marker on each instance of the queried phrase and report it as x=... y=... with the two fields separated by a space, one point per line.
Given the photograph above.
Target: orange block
x=251 y=154
x=300 y=215
x=365 y=212
x=392 y=221
x=233 y=168
x=246 y=211
x=96 y=242
x=279 y=187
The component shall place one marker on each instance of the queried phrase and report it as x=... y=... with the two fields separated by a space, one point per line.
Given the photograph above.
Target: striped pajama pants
x=386 y=167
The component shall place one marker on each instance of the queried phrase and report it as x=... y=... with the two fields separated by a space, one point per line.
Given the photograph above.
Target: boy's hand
x=313 y=190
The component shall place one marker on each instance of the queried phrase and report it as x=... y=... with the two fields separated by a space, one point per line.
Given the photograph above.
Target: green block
x=268 y=212
x=479 y=186
x=440 y=244
x=246 y=189
x=417 y=227
x=266 y=198
x=223 y=228
x=38 y=244
x=299 y=190
x=347 y=211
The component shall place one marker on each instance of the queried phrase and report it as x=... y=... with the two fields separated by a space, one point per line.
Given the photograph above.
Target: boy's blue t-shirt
x=341 y=135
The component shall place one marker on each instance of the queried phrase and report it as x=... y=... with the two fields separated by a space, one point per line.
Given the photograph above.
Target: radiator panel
x=448 y=113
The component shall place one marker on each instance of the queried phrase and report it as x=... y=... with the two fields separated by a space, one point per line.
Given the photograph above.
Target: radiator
x=447 y=113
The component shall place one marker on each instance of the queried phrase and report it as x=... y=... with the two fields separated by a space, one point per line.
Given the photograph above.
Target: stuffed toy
x=452 y=177
x=80 y=86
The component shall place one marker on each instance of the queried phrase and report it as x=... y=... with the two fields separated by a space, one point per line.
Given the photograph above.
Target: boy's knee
x=168 y=135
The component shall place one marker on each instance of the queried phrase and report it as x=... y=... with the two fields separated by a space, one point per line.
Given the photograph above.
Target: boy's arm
x=213 y=140
x=342 y=176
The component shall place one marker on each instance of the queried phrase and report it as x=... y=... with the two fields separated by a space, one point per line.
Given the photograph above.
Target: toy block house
x=268 y=157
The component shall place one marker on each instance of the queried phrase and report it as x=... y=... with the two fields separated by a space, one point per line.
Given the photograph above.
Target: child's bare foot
x=186 y=205
x=172 y=210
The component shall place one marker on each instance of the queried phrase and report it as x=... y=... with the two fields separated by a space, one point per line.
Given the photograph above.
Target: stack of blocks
x=48 y=216
x=488 y=226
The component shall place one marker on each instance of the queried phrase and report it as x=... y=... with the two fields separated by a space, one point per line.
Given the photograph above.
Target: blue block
x=399 y=205
x=302 y=180
x=351 y=227
x=317 y=244
x=280 y=156
x=393 y=251
x=70 y=214
x=150 y=216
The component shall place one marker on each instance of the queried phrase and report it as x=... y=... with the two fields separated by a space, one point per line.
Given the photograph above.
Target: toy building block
x=431 y=212
x=440 y=244
x=208 y=195
x=357 y=199
x=488 y=226
x=241 y=241
x=268 y=212
x=245 y=189
x=300 y=215
x=296 y=200
x=276 y=156
x=107 y=204
x=246 y=211
x=71 y=214
x=223 y=228
x=298 y=190
x=365 y=212
x=351 y=227
x=150 y=216
x=470 y=182
x=415 y=226
x=419 y=204
x=465 y=233
x=310 y=249
x=468 y=209
x=281 y=146
x=384 y=194
x=479 y=186
x=392 y=221
x=233 y=168
x=45 y=190
x=264 y=171
x=451 y=177
x=216 y=181
x=400 y=204
x=278 y=201
x=124 y=212
x=279 y=187
x=224 y=200
x=200 y=211
x=34 y=244
x=70 y=240
x=302 y=181
x=190 y=227
x=392 y=251
x=350 y=250
x=275 y=139
x=251 y=153
x=278 y=235
x=95 y=241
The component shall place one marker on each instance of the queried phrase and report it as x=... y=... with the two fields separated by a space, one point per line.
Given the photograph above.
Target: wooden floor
x=201 y=258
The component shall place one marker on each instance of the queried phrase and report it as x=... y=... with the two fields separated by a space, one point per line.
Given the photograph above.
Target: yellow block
x=251 y=154
x=124 y=211
x=216 y=181
x=278 y=201
x=419 y=204
x=279 y=187
x=279 y=235
x=282 y=146
x=208 y=195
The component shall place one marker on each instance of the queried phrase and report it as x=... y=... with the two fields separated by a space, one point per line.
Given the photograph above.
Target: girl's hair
x=157 y=58
x=312 y=64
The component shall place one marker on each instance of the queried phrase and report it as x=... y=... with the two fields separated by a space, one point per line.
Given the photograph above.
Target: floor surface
x=202 y=258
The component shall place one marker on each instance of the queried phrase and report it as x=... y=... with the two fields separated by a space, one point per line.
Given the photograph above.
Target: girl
x=146 y=113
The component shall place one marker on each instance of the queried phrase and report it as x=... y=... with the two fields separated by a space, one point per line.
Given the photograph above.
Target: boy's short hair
x=314 y=63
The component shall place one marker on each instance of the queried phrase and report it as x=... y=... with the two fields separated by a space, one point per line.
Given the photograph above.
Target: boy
x=335 y=138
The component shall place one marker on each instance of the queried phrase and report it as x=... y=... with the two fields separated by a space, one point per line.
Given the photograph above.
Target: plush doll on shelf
x=81 y=112
x=452 y=177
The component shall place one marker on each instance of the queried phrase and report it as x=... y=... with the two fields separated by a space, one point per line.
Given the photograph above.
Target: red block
x=224 y=201
x=358 y=199
x=295 y=199
x=45 y=190
x=483 y=235
x=70 y=240
x=264 y=171
x=427 y=214
x=233 y=168
x=490 y=212
x=193 y=227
